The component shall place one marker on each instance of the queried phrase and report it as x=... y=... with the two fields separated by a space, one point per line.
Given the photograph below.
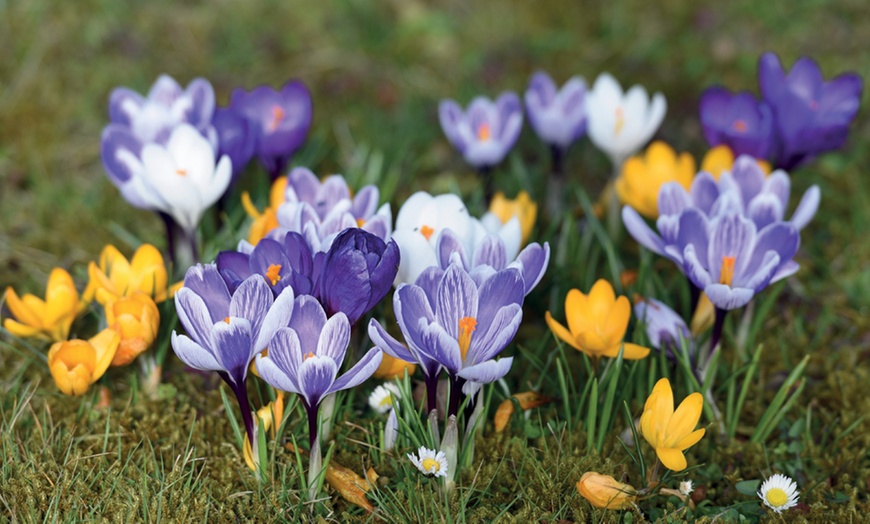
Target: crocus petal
x=807 y=207
x=641 y=232
x=360 y=372
x=316 y=376
x=232 y=345
x=193 y=354
x=334 y=338
x=671 y=458
x=389 y=345
x=274 y=376
x=488 y=371
x=727 y=298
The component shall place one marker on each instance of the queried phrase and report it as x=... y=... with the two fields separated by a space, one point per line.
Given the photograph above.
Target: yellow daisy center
x=431 y=465
x=776 y=497
x=273 y=273
x=386 y=401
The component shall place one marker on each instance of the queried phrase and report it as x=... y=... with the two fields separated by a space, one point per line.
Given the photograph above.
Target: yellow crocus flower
x=76 y=364
x=671 y=432
x=643 y=176
x=597 y=323
x=720 y=159
x=522 y=207
x=392 y=367
x=605 y=492
x=115 y=277
x=136 y=319
x=267 y=220
x=50 y=318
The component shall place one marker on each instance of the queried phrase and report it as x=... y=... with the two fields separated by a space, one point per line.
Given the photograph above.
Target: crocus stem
x=716 y=336
x=315 y=463
x=169 y=224
x=432 y=393
x=456 y=384
x=194 y=248
x=312 y=424
x=557 y=154
x=694 y=297
x=277 y=168
x=242 y=397
x=485 y=173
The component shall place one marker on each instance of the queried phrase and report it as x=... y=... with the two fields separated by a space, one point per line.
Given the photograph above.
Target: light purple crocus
x=450 y=321
x=486 y=131
x=306 y=356
x=236 y=139
x=225 y=331
x=490 y=256
x=136 y=121
x=664 y=328
x=737 y=120
x=745 y=190
x=812 y=116
x=280 y=119
x=558 y=116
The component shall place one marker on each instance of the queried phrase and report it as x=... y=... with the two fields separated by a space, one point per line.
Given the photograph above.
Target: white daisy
x=686 y=487
x=779 y=493
x=380 y=399
x=430 y=462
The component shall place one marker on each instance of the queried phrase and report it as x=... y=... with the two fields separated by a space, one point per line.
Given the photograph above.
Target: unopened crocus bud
x=392 y=368
x=135 y=318
x=450 y=445
x=76 y=364
x=604 y=491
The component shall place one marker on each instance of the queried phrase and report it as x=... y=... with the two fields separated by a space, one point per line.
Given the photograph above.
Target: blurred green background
x=377 y=71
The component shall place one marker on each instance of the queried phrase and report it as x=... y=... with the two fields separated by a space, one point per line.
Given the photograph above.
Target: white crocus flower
x=182 y=176
x=620 y=124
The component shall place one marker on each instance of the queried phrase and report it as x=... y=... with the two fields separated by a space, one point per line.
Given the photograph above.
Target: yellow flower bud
x=604 y=491
x=50 y=318
x=76 y=364
x=267 y=220
x=136 y=319
x=115 y=277
x=522 y=207
x=391 y=368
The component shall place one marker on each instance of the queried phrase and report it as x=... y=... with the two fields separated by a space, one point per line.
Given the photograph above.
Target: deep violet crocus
x=461 y=325
x=225 y=330
x=280 y=120
x=737 y=120
x=236 y=139
x=285 y=263
x=811 y=116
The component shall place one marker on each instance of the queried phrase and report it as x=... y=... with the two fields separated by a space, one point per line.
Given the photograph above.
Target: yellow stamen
x=277 y=117
x=273 y=273
x=726 y=274
x=776 y=497
x=308 y=355
x=249 y=206
x=431 y=465
x=181 y=172
x=360 y=222
x=427 y=231
x=484 y=132
x=740 y=126
x=467 y=325
x=620 y=121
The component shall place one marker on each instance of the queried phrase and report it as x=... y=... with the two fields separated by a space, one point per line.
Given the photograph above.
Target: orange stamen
x=427 y=231
x=273 y=273
x=726 y=274
x=181 y=172
x=227 y=320
x=467 y=325
x=308 y=355
x=484 y=132
x=360 y=222
x=277 y=117
x=740 y=126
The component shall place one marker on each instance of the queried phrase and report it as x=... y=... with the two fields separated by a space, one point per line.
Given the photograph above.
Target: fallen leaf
x=526 y=400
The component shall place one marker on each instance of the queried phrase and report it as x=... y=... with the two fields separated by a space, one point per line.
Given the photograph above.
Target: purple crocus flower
x=664 y=328
x=279 y=118
x=558 y=116
x=236 y=138
x=288 y=263
x=305 y=357
x=745 y=190
x=812 y=116
x=224 y=330
x=731 y=260
x=490 y=256
x=740 y=121
x=136 y=121
x=356 y=273
x=448 y=318
x=332 y=194
x=486 y=131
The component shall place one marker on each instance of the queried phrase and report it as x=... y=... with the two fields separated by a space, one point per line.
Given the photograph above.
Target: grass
x=377 y=71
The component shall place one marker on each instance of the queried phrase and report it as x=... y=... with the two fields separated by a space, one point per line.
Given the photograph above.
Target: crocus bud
x=76 y=364
x=604 y=491
x=135 y=318
x=450 y=446
x=392 y=368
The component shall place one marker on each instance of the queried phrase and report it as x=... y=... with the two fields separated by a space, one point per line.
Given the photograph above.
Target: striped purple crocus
x=225 y=330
